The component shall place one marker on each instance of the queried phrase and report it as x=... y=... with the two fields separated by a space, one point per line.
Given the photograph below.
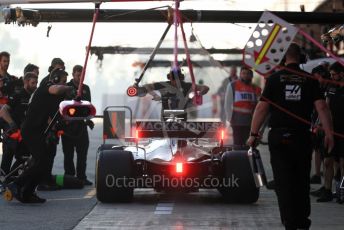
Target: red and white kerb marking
x=268 y=43
x=132 y=91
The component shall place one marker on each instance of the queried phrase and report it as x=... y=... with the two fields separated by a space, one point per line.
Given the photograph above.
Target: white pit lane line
x=91 y=193
x=164 y=209
x=116 y=215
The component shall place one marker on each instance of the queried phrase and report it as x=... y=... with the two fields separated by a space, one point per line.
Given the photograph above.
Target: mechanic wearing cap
x=52 y=138
x=245 y=99
x=175 y=92
x=290 y=138
x=75 y=135
x=56 y=63
x=43 y=104
x=14 y=113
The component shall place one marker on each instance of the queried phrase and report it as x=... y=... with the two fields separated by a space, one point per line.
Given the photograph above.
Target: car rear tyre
x=114 y=171
x=239 y=185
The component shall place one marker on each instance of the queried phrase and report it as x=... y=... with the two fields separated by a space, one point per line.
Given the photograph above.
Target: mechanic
x=43 y=104
x=290 y=138
x=14 y=113
x=336 y=103
x=19 y=83
x=7 y=85
x=52 y=139
x=245 y=99
x=7 y=78
x=56 y=63
x=75 y=135
x=31 y=68
x=174 y=92
x=320 y=72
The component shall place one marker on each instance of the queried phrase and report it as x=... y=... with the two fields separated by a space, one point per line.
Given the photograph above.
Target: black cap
x=57 y=61
x=54 y=62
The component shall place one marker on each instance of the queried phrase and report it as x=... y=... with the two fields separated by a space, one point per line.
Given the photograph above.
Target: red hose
x=95 y=17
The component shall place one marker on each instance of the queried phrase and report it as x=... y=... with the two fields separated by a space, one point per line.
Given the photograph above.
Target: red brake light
x=71 y=111
x=179 y=167
x=77 y=110
x=137 y=134
x=221 y=134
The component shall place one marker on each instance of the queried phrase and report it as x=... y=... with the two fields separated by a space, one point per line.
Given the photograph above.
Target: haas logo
x=293 y=92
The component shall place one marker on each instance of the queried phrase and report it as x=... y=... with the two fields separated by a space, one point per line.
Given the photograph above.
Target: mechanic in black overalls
x=289 y=138
x=174 y=93
x=75 y=135
x=7 y=85
x=56 y=63
x=43 y=104
x=52 y=140
x=14 y=114
x=335 y=97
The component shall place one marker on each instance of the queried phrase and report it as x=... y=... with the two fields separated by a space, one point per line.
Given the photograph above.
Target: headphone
x=303 y=57
x=56 y=74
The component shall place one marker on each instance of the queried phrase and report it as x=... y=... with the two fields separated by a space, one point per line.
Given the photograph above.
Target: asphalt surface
x=79 y=209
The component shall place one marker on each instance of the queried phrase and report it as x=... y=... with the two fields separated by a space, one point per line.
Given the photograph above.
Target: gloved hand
x=90 y=124
x=12 y=132
x=77 y=98
x=52 y=138
x=11 y=129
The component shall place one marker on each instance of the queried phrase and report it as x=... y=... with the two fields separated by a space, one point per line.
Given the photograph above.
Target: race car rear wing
x=179 y=129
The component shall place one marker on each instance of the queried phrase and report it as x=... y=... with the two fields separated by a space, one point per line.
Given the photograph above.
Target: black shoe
x=340 y=195
x=319 y=192
x=34 y=199
x=87 y=182
x=326 y=196
x=48 y=187
x=315 y=179
x=270 y=185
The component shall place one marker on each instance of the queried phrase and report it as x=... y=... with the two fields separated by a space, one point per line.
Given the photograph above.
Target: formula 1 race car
x=174 y=155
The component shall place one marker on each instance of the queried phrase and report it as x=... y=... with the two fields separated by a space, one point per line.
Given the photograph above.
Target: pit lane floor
x=79 y=209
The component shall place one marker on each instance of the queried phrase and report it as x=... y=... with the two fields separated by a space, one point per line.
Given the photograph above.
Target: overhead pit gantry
x=32 y=16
